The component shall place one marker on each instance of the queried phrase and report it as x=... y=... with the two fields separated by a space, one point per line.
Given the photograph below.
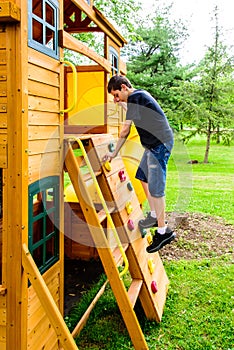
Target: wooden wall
x=45 y=153
x=44 y=128
x=40 y=333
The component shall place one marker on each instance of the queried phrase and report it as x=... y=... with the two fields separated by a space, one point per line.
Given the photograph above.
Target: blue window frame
x=43 y=24
x=43 y=240
x=114 y=59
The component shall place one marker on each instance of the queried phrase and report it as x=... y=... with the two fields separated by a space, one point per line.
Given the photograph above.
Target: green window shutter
x=43 y=240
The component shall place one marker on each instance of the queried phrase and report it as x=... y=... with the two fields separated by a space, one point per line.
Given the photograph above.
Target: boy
x=157 y=138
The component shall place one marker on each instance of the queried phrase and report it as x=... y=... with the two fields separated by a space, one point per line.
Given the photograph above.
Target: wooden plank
x=2 y=56
x=43 y=75
x=17 y=187
x=43 y=104
x=153 y=304
x=37 y=338
x=2 y=301
x=3 y=317
x=2 y=333
x=3 y=120
x=3 y=107
x=41 y=146
x=43 y=165
x=41 y=132
x=10 y=12
x=43 y=118
x=122 y=67
x=80 y=325
x=3 y=89
x=73 y=44
x=44 y=90
x=3 y=156
x=3 y=72
x=100 y=21
x=41 y=60
x=49 y=276
x=47 y=301
x=2 y=37
x=134 y=290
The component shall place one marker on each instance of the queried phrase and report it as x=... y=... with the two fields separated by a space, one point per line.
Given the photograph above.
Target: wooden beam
x=100 y=21
x=67 y=41
x=9 y=12
x=80 y=325
x=47 y=301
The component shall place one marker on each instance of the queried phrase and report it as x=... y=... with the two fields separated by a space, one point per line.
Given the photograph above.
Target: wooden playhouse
x=56 y=118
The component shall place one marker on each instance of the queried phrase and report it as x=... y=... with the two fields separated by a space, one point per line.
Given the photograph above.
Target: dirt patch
x=199 y=236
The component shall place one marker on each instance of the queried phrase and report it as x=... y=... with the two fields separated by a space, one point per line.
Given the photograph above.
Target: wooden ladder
x=118 y=216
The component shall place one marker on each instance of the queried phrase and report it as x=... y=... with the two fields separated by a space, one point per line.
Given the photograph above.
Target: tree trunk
x=218 y=135
x=206 y=157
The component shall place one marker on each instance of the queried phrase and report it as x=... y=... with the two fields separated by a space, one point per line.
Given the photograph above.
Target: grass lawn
x=198 y=314
x=206 y=188
x=199 y=311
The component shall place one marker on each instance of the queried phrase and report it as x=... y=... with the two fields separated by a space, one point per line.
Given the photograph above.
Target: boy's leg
x=159 y=207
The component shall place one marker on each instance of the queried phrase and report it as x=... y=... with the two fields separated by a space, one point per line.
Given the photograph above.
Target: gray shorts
x=153 y=168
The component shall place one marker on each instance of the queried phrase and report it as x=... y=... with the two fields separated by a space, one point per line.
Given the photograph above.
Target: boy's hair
x=116 y=81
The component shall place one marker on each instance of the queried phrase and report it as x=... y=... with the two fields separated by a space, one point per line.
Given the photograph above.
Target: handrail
x=126 y=264
x=73 y=67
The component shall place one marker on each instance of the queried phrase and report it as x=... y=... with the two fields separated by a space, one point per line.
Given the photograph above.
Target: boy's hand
x=108 y=157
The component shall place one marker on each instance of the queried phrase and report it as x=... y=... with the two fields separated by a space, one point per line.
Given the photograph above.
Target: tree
x=152 y=58
x=206 y=102
x=119 y=12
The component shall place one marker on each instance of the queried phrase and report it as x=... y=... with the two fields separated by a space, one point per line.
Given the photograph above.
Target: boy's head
x=115 y=83
x=120 y=87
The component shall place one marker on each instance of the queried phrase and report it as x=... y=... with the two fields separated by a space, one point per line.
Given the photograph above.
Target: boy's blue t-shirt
x=150 y=121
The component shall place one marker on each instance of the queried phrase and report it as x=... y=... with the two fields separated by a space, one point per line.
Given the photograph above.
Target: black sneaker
x=148 y=222
x=160 y=240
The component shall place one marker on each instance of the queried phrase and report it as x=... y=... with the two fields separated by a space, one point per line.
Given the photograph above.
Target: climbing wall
x=113 y=227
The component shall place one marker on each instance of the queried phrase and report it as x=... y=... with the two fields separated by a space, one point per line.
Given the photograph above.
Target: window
x=44 y=222
x=114 y=59
x=43 y=26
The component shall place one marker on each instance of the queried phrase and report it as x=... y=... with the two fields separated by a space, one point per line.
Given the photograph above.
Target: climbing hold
x=122 y=177
x=111 y=147
x=129 y=207
x=151 y=265
x=152 y=230
x=149 y=239
x=129 y=186
x=130 y=225
x=154 y=287
x=107 y=166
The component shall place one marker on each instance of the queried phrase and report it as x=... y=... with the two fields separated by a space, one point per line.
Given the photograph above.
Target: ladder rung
x=88 y=176
x=117 y=254
x=134 y=290
x=102 y=214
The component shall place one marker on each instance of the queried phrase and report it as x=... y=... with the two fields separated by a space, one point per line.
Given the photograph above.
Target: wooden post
x=16 y=180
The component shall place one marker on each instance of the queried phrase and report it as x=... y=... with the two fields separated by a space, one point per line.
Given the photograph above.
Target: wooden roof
x=93 y=22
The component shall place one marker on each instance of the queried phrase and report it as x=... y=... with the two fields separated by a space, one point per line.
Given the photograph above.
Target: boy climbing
x=156 y=137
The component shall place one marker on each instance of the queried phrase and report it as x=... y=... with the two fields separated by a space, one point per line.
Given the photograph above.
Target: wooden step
x=88 y=176
x=134 y=290
x=102 y=214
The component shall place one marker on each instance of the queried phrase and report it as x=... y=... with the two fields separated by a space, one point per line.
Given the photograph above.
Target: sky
x=197 y=17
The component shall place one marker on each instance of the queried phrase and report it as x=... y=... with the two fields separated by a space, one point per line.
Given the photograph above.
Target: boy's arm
x=122 y=138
